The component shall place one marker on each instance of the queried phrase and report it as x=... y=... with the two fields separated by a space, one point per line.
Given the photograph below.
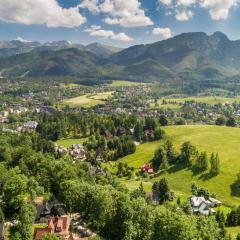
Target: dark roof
x=43 y=210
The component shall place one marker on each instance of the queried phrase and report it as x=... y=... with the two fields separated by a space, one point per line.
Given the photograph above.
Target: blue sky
x=116 y=22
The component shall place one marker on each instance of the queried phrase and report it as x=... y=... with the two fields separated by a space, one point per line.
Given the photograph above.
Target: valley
x=96 y=132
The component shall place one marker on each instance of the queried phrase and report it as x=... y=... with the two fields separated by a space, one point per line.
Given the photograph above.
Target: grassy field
x=68 y=142
x=223 y=140
x=88 y=100
x=179 y=101
x=120 y=83
x=69 y=85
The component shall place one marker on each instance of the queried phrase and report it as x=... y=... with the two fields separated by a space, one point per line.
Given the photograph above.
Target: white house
x=202 y=206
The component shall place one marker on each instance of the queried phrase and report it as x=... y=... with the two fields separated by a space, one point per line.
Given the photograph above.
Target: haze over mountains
x=194 y=56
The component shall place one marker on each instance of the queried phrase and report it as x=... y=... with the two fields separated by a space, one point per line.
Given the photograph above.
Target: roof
x=214 y=200
x=59 y=224
x=196 y=201
x=39 y=233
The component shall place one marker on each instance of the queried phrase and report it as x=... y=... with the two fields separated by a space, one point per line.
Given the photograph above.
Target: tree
x=221 y=121
x=26 y=220
x=164 y=164
x=231 y=122
x=162 y=189
x=163 y=120
x=202 y=162
x=159 y=156
x=170 y=151
x=159 y=134
x=14 y=192
x=138 y=192
x=238 y=236
x=138 y=131
x=50 y=237
x=150 y=124
x=215 y=164
x=188 y=153
x=23 y=229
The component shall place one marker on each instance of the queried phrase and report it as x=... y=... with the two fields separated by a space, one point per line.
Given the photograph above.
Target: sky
x=120 y=23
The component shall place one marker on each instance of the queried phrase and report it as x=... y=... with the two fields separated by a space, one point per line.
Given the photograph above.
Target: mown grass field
x=121 y=83
x=209 y=100
x=68 y=142
x=225 y=141
x=179 y=101
x=88 y=100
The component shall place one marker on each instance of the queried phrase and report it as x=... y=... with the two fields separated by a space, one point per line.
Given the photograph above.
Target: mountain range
x=193 y=56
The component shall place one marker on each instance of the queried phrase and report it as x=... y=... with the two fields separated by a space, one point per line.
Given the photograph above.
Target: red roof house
x=147 y=168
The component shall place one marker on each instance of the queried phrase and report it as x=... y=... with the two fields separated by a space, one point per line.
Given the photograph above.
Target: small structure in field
x=200 y=205
x=147 y=168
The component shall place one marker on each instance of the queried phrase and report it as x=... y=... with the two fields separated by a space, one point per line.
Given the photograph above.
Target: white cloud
x=184 y=15
x=91 y=5
x=218 y=9
x=96 y=31
x=20 y=39
x=127 y=13
x=165 y=2
x=111 y=21
x=40 y=12
x=185 y=2
x=163 y=32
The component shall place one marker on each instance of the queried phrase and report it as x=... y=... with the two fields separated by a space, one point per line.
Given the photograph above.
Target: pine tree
x=215 y=164
x=165 y=164
x=164 y=190
x=202 y=162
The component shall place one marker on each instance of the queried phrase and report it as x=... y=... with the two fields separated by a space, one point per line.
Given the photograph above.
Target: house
x=214 y=202
x=31 y=125
x=43 y=211
x=147 y=168
x=58 y=226
x=149 y=133
x=202 y=206
x=3 y=119
x=78 y=151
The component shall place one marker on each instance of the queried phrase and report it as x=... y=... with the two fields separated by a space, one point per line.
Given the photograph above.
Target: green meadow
x=121 y=83
x=88 y=100
x=224 y=140
x=177 y=102
x=68 y=142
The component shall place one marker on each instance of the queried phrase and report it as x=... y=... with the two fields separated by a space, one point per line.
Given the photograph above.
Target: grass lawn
x=69 y=85
x=223 y=140
x=208 y=100
x=121 y=83
x=68 y=142
x=88 y=100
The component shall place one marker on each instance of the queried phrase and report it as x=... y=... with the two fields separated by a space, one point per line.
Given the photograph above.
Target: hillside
x=206 y=138
x=189 y=56
x=67 y=62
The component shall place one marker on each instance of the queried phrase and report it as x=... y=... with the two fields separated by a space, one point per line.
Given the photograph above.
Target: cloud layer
x=164 y=33
x=126 y=13
x=40 y=12
x=183 y=9
x=97 y=31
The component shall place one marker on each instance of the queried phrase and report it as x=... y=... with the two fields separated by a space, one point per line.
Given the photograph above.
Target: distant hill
x=10 y=48
x=206 y=56
x=101 y=49
x=189 y=56
x=64 y=62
